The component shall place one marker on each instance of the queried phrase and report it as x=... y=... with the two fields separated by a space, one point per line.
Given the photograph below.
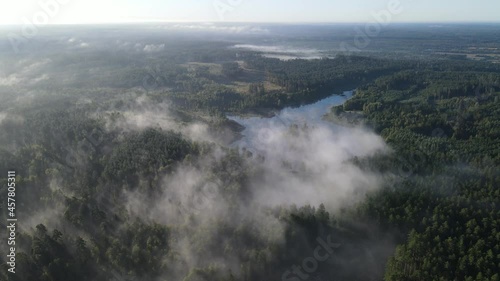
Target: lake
x=260 y=129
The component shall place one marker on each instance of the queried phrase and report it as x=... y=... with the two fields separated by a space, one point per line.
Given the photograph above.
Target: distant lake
x=257 y=128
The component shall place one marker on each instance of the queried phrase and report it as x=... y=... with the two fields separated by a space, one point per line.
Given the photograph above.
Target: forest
x=125 y=169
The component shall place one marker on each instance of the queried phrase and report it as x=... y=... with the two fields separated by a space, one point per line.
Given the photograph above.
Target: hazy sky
x=105 y=11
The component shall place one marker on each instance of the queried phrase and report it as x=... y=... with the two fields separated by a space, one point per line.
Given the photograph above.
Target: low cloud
x=283 y=52
x=292 y=163
x=194 y=200
x=26 y=72
x=78 y=43
x=311 y=165
x=246 y=29
x=154 y=48
x=143 y=113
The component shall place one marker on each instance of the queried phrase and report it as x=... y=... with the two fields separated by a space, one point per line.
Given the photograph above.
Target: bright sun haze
x=114 y=11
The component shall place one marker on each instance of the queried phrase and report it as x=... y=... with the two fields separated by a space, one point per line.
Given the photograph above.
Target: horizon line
x=252 y=22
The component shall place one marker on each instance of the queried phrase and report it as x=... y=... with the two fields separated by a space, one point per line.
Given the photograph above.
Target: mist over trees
x=125 y=168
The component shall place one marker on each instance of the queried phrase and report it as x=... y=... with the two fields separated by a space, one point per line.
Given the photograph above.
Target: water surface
x=259 y=129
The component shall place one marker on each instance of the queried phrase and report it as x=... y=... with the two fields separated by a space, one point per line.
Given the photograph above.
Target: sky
x=360 y=11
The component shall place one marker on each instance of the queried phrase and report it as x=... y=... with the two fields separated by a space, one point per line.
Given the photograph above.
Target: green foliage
x=147 y=153
x=442 y=124
x=441 y=196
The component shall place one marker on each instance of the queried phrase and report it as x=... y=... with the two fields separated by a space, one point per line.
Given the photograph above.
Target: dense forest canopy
x=125 y=168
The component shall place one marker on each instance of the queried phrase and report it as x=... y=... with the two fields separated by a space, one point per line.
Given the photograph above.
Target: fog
x=293 y=160
x=283 y=52
x=298 y=160
x=307 y=160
